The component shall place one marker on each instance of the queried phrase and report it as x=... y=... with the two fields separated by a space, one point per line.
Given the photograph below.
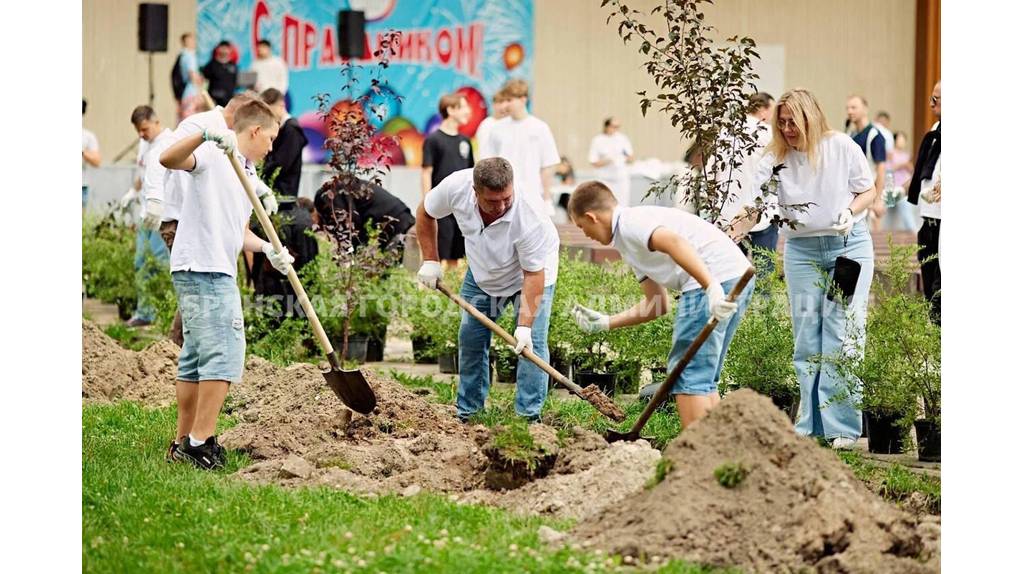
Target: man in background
x=271 y=71
x=610 y=151
x=867 y=136
x=446 y=151
x=222 y=74
x=527 y=143
x=286 y=156
x=188 y=80
x=90 y=157
x=926 y=192
x=884 y=124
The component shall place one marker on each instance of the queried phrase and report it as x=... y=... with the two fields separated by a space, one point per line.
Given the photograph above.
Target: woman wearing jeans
x=825 y=187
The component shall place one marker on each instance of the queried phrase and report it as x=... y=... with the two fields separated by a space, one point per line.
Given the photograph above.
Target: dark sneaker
x=174 y=450
x=207 y=456
x=136 y=322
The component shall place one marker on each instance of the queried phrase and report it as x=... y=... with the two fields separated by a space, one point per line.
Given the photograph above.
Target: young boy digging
x=669 y=249
x=212 y=230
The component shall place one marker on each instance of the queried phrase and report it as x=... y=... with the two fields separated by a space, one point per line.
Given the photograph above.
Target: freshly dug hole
x=797 y=508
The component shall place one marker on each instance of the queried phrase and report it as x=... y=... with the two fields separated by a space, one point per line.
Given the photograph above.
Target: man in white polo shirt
x=512 y=249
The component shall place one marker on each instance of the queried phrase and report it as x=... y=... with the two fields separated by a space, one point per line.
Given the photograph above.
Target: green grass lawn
x=141 y=514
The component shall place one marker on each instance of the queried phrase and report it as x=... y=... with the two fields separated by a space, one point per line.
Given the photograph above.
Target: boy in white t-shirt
x=212 y=230
x=610 y=151
x=670 y=249
x=528 y=144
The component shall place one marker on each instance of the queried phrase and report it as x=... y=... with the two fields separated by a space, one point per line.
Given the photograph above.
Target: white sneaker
x=843 y=443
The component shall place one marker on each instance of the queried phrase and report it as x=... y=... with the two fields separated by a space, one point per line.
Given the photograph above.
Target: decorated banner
x=468 y=46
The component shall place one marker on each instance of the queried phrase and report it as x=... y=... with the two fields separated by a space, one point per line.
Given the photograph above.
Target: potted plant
x=761 y=354
x=901 y=364
x=441 y=319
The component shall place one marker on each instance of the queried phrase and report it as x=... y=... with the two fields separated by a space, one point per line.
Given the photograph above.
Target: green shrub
x=664 y=467
x=108 y=263
x=760 y=356
x=731 y=474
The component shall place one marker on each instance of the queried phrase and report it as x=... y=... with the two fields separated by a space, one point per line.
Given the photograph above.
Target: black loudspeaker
x=351 y=32
x=152 y=27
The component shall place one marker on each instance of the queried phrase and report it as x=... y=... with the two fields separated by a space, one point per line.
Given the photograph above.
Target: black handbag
x=844 y=279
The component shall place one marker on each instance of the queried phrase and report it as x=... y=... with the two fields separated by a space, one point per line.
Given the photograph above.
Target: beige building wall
x=583 y=72
x=115 y=75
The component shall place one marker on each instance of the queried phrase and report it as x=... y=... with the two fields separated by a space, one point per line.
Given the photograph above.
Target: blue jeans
x=151 y=241
x=824 y=329
x=213 y=327
x=766 y=239
x=700 y=377
x=474 y=347
x=85 y=196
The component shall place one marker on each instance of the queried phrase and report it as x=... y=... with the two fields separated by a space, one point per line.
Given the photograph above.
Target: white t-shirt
x=148 y=159
x=524 y=239
x=615 y=175
x=212 y=223
x=271 y=73
x=483 y=132
x=90 y=143
x=529 y=146
x=632 y=228
x=177 y=183
x=742 y=191
x=841 y=174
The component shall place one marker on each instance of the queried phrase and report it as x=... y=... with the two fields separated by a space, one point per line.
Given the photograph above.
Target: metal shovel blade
x=614 y=436
x=353 y=390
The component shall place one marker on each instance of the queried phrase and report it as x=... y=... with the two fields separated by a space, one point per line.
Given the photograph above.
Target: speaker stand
x=151 y=89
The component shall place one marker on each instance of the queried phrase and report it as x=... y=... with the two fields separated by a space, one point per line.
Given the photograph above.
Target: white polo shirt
x=213 y=220
x=615 y=175
x=152 y=173
x=178 y=183
x=523 y=239
x=632 y=228
x=529 y=146
x=842 y=173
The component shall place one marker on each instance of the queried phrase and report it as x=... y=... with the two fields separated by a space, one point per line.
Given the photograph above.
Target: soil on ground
x=792 y=505
x=111 y=372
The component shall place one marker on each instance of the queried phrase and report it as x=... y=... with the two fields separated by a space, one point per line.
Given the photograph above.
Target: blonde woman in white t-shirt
x=826 y=171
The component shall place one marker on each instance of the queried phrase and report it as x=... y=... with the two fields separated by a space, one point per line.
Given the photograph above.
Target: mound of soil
x=798 y=508
x=111 y=372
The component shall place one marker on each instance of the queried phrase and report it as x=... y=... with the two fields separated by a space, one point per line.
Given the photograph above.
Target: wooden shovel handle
x=293 y=277
x=496 y=328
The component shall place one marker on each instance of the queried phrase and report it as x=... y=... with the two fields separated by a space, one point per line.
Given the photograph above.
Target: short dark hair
x=271 y=96
x=608 y=122
x=759 y=101
x=223 y=44
x=449 y=101
x=493 y=174
x=142 y=113
x=883 y=114
x=590 y=196
x=185 y=36
x=305 y=203
x=264 y=42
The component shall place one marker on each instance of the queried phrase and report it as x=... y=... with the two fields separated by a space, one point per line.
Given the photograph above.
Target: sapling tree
x=704 y=89
x=359 y=159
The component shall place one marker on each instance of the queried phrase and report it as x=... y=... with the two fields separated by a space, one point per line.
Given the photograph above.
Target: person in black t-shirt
x=446 y=151
x=222 y=74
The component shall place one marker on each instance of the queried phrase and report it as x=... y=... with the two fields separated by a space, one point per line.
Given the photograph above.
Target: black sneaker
x=207 y=456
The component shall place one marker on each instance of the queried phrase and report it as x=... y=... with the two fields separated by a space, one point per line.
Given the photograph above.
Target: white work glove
x=267 y=196
x=844 y=222
x=281 y=261
x=224 y=138
x=429 y=274
x=129 y=197
x=153 y=216
x=719 y=307
x=524 y=339
x=589 y=320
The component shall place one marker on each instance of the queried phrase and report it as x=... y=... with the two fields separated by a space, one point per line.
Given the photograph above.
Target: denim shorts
x=212 y=324
x=700 y=377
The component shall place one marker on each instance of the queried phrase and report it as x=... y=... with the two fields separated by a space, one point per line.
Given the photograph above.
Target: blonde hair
x=254 y=112
x=590 y=196
x=516 y=88
x=810 y=122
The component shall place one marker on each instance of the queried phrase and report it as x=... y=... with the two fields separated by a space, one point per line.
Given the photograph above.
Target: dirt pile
x=793 y=506
x=110 y=372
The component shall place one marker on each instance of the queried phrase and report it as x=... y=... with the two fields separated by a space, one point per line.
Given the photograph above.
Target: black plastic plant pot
x=357 y=347
x=421 y=351
x=449 y=362
x=604 y=381
x=787 y=404
x=929 y=444
x=885 y=435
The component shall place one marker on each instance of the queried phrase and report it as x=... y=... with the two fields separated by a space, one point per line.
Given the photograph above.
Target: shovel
x=350 y=386
x=591 y=394
x=666 y=386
